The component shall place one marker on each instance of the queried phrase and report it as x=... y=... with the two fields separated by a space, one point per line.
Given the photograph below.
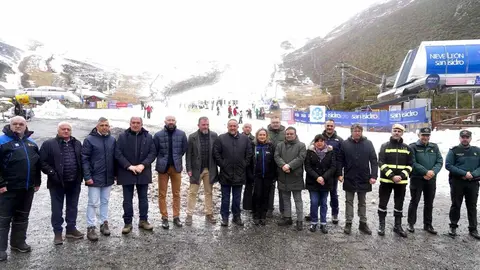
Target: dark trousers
x=416 y=189
x=142 y=192
x=384 y=193
x=261 y=196
x=460 y=188
x=148 y=115
x=318 y=199
x=334 y=198
x=272 y=198
x=70 y=193
x=248 y=194
x=236 y=192
x=15 y=208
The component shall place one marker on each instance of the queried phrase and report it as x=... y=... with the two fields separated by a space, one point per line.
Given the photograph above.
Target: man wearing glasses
x=463 y=163
x=395 y=160
x=427 y=163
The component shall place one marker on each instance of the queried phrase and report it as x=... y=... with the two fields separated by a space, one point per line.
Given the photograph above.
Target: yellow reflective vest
x=395 y=158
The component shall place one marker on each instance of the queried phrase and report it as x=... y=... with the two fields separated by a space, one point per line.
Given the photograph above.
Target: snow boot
x=398 y=227
x=18 y=237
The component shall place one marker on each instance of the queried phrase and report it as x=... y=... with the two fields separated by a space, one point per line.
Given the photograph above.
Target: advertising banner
x=121 y=105
x=381 y=118
x=317 y=114
x=453 y=59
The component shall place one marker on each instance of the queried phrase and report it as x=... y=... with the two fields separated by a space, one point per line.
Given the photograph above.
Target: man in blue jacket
x=62 y=162
x=135 y=153
x=463 y=163
x=20 y=177
x=171 y=144
x=98 y=159
x=427 y=163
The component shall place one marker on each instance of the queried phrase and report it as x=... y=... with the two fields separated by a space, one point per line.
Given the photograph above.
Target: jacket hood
x=11 y=134
x=311 y=147
x=94 y=132
x=282 y=128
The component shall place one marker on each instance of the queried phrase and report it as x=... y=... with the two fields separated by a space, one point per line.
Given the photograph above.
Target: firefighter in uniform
x=395 y=161
x=427 y=163
x=463 y=163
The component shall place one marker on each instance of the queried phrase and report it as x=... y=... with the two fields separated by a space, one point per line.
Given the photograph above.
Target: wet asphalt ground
x=206 y=246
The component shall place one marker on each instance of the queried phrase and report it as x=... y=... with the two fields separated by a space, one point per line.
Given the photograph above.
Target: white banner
x=317 y=114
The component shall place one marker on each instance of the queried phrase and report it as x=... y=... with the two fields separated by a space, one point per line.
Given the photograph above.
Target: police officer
x=427 y=163
x=463 y=163
x=395 y=160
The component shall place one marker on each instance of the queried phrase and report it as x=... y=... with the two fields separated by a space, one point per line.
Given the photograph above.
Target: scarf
x=321 y=152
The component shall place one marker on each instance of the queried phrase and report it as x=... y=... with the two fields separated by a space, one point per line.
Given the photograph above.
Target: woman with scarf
x=264 y=170
x=320 y=165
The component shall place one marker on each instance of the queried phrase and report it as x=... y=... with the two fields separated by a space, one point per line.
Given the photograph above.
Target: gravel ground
x=206 y=246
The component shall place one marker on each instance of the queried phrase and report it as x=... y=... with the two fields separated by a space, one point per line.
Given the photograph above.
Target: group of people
x=274 y=155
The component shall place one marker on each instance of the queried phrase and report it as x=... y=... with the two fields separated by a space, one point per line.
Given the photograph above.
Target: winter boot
x=3 y=256
x=299 y=225
x=430 y=229
x=3 y=241
x=335 y=219
x=313 y=227
x=238 y=221
x=104 y=229
x=177 y=222
x=410 y=228
x=144 y=224
x=308 y=218
x=348 y=228
x=18 y=236
x=58 y=239
x=398 y=227
x=189 y=220
x=224 y=223
x=127 y=228
x=363 y=227
x=165 y=224
x=381 y=223
x=286 y=221
x=92 y=234
x=452 y=232
x=323 y=228
x=74 y=234
x=474 y=234
x=210 y=219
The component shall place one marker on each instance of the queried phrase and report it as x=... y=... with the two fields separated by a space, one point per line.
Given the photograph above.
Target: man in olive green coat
x=276 y=134
x=427 y=163
x=289 y=157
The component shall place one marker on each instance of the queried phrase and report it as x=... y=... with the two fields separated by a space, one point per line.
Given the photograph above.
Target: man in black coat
x=248 y=191
x=20 y=177
x=359 y=160
x=232 y=152
x=135 y=152
x=61 y=159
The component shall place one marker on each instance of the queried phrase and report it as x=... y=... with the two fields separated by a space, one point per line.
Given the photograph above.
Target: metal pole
x=456 y=102
x=473 y=99
x=342 y=91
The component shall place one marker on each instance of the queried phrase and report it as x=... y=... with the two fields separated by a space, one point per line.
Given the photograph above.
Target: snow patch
x=51 y=109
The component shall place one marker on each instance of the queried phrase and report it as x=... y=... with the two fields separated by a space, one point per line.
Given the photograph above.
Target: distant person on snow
x=18 y=108
x=218 y=110
x=235 y=111
x=240 y=120
x=229 y=111
x=149 y=111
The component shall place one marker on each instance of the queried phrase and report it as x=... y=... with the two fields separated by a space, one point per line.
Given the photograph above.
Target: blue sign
x=477 y=80
x=453 y=59
x=382 y=118
x=432 y=81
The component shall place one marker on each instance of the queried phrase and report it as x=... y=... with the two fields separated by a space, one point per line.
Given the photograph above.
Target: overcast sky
x=141 y=34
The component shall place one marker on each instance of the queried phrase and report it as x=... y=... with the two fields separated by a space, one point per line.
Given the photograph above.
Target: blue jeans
x=237 y=195
x=142 y=192
x=70 y=193
x=98 y=197
x=334 y=198
x=318 y=199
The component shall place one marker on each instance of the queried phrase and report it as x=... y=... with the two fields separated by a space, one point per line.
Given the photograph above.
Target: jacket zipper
x=263 y=163
x=28 y=163
x=106 y=162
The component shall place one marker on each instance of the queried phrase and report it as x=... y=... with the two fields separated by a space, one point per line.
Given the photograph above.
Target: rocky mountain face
x=377 y=39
